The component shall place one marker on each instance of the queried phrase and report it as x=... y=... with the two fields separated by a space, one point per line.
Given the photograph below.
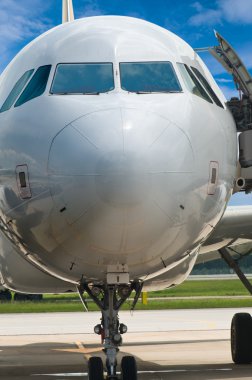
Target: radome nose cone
x=123 y=178
x=121 y=157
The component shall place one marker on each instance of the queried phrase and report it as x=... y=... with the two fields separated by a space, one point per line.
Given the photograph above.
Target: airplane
x=119 y=154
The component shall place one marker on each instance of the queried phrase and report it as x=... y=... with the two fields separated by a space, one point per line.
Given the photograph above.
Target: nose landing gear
x=109 y=298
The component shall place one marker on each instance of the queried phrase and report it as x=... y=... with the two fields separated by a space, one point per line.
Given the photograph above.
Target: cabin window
x=83 y=78
x=36 y=86
x=207 y=86
x=192 y=83
x=15 y=92
x=149 y=77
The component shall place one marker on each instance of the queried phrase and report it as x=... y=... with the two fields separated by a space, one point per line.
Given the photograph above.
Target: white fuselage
x=115 y=178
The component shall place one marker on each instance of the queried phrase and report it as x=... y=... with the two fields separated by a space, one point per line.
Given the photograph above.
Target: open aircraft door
x=241 y=108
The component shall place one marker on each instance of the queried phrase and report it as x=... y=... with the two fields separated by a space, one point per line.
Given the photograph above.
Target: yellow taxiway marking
x=211 y=325
x=85 y=351
x=81 y=349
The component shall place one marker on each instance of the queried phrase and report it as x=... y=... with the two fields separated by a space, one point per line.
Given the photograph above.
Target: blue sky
x=194 y=21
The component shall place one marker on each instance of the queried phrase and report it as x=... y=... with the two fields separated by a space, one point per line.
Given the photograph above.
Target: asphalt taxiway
x=172 y=344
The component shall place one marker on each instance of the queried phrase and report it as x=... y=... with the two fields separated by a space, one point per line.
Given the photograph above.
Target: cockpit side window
x=83 y=78
x=192 y=83
x=149 y=77
x=15 y=92
x=36 y=86
x=207 y=86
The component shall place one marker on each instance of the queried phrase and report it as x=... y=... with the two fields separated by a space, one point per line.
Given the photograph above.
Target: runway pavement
x=172 y=344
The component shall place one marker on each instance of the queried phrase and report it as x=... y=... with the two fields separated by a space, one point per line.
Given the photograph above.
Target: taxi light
x=123 y=328
x=98 y=329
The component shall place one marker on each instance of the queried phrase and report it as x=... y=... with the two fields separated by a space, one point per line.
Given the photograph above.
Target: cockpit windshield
x=149 y=77
x=83 y=78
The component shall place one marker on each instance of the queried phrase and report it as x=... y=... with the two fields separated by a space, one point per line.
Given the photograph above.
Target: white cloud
x=213 y=65
x=238 y=11
x=136 y=14
x=206 y=17
x=229 y=92
x=234 y=11
x=19 y=21
x=94 y=8
x=91 y=8
x=223 y=80
x=198 y=6
x=245 y=53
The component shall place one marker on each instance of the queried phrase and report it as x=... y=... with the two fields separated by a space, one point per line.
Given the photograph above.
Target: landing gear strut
x=110 y=298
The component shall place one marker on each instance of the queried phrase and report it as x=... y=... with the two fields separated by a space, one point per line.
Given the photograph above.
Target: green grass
x=204 y=288
x=187 y=289
x=70 y=302
x=195 y=304
x=45 y=306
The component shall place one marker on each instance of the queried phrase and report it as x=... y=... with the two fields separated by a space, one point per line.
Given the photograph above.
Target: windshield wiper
x=156 y=92
x=76 y=93
x=91 y=93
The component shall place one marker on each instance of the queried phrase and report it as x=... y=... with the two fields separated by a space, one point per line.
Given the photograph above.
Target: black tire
x=95 y=369
x=5 y=295
x=241 y=338
x=129 y=368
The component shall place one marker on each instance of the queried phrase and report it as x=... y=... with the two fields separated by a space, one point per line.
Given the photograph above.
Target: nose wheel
x=110 y=298
x=128 y=368
x=95 y=369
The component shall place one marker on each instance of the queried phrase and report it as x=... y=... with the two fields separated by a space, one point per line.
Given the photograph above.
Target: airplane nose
x=120 y=159
x=122 y=178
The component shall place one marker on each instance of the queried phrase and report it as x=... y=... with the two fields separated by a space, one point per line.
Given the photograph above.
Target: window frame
x=81 y=63
x=211 y=93
x=28 y=99
x=29 y=78
x=153 y=92
x=198 y=85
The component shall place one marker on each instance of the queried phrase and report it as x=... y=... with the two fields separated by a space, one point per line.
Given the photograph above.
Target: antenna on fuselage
x=67 y=11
